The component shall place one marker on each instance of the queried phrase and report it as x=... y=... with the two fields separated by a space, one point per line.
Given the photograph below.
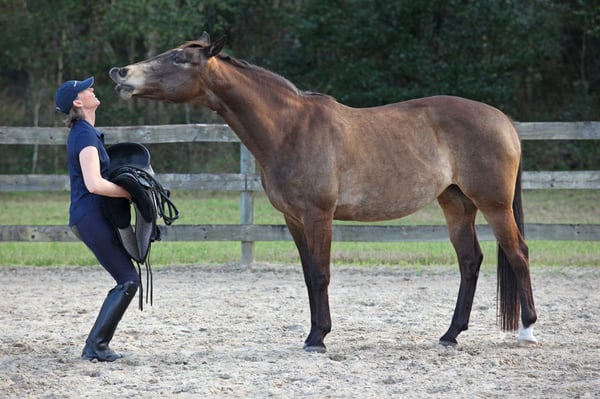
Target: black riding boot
x=115 y=304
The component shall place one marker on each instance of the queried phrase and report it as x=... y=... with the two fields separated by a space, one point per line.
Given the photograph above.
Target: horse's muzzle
x=118 y=75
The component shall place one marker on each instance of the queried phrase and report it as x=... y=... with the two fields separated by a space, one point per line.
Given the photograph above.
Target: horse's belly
x=387 y=202
x=373 y=213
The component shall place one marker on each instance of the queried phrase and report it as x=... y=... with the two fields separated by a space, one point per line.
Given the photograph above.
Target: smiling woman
x=89 y=163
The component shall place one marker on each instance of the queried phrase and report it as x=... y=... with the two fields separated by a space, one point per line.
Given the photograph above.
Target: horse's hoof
x=526 y=337
x=448 y=343
x=448 y=339
x=315 y=349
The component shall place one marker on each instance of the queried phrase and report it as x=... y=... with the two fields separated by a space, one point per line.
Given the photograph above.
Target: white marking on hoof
x=526 y=337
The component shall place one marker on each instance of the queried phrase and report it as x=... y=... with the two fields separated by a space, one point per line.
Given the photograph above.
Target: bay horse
x=321 y=160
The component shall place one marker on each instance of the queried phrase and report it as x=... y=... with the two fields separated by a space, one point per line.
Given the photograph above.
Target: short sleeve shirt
x=83 y=135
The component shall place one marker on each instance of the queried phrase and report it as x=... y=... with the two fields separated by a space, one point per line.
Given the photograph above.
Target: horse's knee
x=320 y=280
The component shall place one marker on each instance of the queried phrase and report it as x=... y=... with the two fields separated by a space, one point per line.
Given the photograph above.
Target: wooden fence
x=247 y=182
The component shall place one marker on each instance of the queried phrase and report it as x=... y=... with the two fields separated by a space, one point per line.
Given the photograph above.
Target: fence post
x=247 y=166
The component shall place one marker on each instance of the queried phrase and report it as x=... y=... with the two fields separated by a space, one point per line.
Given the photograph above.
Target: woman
x=88 y=168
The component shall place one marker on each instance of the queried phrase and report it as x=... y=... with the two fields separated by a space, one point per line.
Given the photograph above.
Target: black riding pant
x=101 y=238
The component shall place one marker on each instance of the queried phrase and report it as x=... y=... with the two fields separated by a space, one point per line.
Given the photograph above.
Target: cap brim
x=86 y=84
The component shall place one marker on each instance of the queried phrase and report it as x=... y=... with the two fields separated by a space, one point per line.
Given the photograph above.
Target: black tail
x=508 y=294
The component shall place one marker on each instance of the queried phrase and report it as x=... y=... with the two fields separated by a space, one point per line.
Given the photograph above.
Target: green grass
x=541 y=206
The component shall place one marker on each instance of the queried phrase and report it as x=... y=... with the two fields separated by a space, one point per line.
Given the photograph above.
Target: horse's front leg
x=313 y=240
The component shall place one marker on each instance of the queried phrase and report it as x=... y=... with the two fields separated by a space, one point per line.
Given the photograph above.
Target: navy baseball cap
x=68 y=91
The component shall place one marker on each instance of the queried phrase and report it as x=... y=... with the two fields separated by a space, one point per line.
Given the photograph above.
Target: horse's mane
x=267 y=75
x=261 y=72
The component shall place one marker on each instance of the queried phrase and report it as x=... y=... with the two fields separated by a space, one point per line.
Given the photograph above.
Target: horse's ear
x=215 y=48
x=204 y=39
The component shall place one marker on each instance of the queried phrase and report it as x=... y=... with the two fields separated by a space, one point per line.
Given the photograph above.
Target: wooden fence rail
x=247 y=182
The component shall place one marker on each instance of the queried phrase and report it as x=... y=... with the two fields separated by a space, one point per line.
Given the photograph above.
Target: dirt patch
x=226 y=330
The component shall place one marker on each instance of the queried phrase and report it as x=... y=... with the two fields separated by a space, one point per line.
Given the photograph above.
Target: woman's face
x=88 y=99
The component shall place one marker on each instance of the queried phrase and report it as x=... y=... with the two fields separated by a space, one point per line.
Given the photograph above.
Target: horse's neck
x=255 y=113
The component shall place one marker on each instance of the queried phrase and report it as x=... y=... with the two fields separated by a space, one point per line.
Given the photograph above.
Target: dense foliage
x=537 y=60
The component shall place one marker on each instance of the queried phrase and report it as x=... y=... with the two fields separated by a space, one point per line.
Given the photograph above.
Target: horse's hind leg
x=515 y=279
x=460 y=213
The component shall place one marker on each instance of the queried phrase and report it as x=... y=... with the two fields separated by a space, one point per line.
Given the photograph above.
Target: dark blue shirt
x=83 y=135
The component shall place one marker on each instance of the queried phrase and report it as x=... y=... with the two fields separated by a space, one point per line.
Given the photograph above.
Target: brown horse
x=321 y=160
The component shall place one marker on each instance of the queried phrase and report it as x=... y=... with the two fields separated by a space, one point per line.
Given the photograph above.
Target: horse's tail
x=508 y=294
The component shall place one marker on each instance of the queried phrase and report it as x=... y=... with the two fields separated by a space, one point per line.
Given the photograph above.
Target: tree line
x=537 y=60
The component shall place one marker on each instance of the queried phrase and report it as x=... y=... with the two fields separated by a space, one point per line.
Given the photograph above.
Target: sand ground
x=237 y=332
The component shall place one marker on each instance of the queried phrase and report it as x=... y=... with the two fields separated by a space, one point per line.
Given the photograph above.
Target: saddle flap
x=129 y=240
x=137 y=240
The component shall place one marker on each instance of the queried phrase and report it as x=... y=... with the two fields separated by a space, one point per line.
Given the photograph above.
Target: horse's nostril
x=123 y=72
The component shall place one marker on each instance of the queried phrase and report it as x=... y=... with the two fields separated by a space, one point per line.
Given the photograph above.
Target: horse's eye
x=179 y=58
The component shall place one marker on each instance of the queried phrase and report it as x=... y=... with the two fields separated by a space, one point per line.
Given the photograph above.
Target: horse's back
x=427 y=128
x=452 y=119
x=455 y=117
x=451 y=129
x=460 y=113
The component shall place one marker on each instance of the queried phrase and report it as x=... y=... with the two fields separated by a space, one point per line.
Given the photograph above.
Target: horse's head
x=172 y=76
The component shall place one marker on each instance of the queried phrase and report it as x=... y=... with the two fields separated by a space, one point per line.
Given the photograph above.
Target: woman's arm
x=94 y=182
